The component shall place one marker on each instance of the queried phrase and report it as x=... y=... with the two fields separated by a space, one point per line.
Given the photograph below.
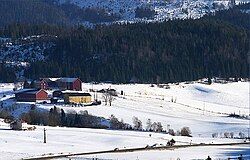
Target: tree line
x=177 y=50
x=50 y=12
x=6 y=74
x=58 y=117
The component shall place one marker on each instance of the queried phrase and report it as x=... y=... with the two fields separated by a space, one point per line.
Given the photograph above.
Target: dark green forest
x=47 y=11
x=177 y=50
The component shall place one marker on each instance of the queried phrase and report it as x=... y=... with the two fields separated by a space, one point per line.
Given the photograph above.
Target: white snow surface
x=165 y=10
x=216 y=153
x=23 y=144
x=203 y=108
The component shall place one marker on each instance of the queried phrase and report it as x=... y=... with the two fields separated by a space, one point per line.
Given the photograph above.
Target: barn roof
x=79 y=94
x=62 y=79
x=75 y=93
x=29 y=91
x=33 y=92
x=67 y=79
x=25 y=90
x=48 y=79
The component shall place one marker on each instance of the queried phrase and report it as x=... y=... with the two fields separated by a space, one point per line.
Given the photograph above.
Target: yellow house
x=77 y=97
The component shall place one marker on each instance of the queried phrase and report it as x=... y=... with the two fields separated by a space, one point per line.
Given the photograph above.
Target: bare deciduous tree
x=215 y=135
x=148 y=125
x=105 y=98
x=231 y=134
x=137 y=123
x=171 y=132
x=108 y=98
x=185 y=131
x=241 y=135
x=226 y=135
x=159 y=127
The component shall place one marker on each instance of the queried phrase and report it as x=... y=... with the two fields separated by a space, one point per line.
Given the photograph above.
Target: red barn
x=59 y=84
x=70 y=84
x=31 y=95
x=42 y=84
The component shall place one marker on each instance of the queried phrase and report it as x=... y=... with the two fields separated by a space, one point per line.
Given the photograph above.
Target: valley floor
x=24 y=144
x=203 y=108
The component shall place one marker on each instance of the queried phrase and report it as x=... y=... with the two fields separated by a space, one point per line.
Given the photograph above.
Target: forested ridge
x=49 y=12
x=171 y=51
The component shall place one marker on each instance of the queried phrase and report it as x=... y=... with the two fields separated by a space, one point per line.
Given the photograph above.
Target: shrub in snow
x=231 y=134
x=137 y=123
x=157 y=127
x=154 y=126
x=56 y=117
x=115 y=123
x=35 y=117
x=215 y=135
x=6 y=115
x=108 y=98
x=226 y=135
x=149 y=125
x=185 y=131
x=171 y=132
x=241 y=135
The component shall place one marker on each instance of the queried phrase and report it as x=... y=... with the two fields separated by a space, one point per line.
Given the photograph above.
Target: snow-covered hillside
x=203 y=108
x=20 y=52
x=164 y=10
x=24 y=144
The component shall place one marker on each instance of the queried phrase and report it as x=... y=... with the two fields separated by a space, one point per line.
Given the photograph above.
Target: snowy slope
x=204 y=113
x=203 y=108
x=19 y=52
x=165 y=10
x=21 y=144
x=142 y=101
x=216 y=153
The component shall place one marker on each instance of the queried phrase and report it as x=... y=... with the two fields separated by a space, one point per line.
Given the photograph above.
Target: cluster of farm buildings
x=68 y=89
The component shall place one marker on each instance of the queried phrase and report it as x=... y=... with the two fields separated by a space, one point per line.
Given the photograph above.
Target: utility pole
x=44 y=135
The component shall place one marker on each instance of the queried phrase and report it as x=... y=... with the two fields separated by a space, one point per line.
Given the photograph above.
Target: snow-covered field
x=203 y=108
x=216 y=153
x=23 y=144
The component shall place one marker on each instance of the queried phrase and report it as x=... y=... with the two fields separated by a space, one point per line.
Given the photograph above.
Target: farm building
x=70 y=84
x=58 y=94
x=60 y=83
x=77 y=97
x=110 y=91
x=42 y=84
x=31 y=95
